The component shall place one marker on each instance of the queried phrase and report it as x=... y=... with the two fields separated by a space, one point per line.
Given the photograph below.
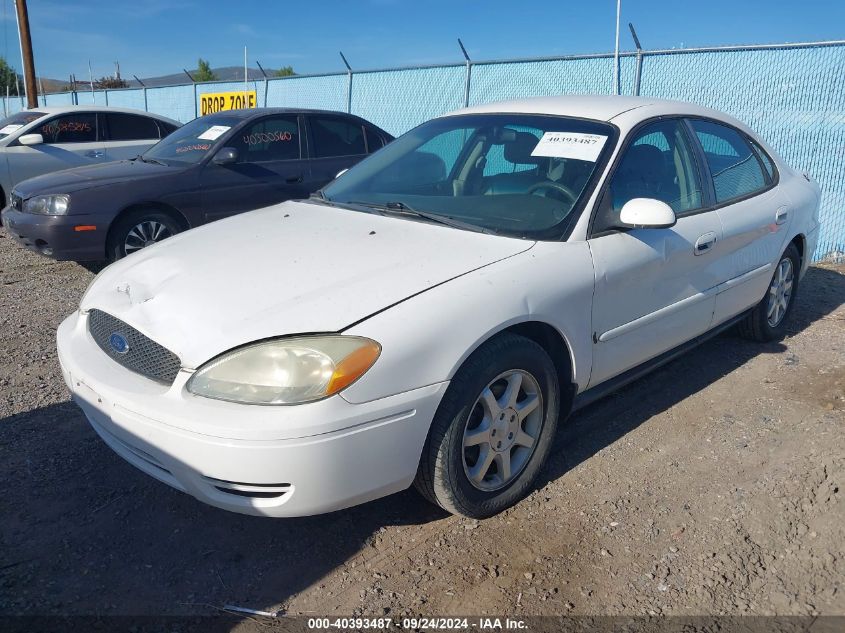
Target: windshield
x=12 y=124
x=193 y=141
x=517 y=174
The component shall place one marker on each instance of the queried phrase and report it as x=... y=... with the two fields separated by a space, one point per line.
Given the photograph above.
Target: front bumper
x=56 y=236
x=259 y=460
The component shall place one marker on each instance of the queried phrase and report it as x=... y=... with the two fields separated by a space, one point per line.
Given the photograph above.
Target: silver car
x=42 y=140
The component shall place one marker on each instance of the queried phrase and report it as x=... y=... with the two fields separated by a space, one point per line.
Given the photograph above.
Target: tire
x=443 y=475
x=767 y=322
x=130 y=230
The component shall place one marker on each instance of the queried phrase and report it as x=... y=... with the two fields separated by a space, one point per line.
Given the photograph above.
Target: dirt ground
x=713 y=486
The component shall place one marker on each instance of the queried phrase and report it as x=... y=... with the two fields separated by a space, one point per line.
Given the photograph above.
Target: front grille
x=143 y=356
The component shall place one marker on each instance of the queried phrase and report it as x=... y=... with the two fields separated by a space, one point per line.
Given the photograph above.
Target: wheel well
x=800 y=244
x=548 y=337
x=157 y=206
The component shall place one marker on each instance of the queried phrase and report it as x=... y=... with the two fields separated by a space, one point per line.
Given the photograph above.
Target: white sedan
x=431 y=315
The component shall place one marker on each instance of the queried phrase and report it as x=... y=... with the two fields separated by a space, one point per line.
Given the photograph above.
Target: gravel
x=713 y=486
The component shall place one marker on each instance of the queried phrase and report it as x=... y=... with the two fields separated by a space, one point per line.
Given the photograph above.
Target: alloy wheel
x=144 y=234
x=780 y=292
x=502 y=430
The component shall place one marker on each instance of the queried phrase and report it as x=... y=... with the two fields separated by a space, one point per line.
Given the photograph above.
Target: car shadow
x=85 y=533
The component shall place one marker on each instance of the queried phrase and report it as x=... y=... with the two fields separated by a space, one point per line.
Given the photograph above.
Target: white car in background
x=43 y=140
x=431 y=314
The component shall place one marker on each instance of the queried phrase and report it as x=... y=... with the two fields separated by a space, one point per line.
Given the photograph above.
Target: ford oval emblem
x=119 y=343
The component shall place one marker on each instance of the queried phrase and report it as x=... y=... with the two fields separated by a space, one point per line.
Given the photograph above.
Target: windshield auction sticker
x=10 y=128
x=214 y=132
x=576 y=145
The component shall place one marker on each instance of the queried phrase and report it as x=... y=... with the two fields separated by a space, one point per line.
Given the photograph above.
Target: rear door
x=752 y=210
x=655 y=288
x=270 y=168
x=336 y=143
x=127 y=135
x=70 y=140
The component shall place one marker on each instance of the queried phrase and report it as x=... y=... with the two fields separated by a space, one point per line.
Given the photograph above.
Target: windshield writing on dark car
x=191 y=142
x=515 y=174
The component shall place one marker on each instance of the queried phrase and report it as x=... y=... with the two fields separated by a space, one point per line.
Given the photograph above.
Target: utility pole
x=29 y=84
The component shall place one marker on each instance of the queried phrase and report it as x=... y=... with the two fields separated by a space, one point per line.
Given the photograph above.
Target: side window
x=131 y=127
x=374 y=141
x=734 y=167
x=658 y=164
x=336 y=137
x=70 y=128
x=767 y=161
x=270 y=139
x=166 y=128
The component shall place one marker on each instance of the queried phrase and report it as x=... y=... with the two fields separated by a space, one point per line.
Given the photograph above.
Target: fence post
x=146 y=107
x=266 y=90
x=196 y=103
x=639 y=71
x=106 y=96
x=348 y=83
x=469 y=73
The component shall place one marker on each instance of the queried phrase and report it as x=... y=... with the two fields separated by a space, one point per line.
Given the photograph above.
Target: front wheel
x=767 y=321
x=138 y=230
x=493 y=430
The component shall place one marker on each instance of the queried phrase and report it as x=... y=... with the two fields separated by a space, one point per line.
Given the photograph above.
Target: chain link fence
x=792 y=94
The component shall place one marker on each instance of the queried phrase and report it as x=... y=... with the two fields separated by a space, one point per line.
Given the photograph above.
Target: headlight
x=286 y=371
x=47 y=205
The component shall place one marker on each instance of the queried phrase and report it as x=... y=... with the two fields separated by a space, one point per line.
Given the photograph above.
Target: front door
x=270 y=169
x=654 y=287
x=70 y=140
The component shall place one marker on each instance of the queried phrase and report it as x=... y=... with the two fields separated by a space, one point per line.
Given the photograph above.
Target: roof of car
x=94 y=108
x=248 y=112
x=596 y=107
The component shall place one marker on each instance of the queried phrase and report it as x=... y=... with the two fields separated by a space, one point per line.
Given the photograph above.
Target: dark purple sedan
x=211 y=168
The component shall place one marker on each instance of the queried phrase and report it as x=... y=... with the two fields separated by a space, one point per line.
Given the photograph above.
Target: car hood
x=78 y=178
x=293 y=268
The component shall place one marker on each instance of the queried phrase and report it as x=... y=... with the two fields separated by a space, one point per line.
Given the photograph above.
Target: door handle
x=705 y=243
x=782 y=215
x=95 y=154
x=293 y=179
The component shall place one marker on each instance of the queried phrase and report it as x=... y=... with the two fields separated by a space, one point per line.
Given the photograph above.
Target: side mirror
x=341 y=172
x=647 y=213
x=31 y=139
x=226 y=156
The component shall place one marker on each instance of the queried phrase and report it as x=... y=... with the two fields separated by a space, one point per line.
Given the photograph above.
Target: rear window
x=734 y=167
x=12 y=124
x=336 y=137
x=374 y=141
x=131 y=127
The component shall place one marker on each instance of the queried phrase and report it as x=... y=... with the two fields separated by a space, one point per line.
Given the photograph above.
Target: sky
x=158 y=37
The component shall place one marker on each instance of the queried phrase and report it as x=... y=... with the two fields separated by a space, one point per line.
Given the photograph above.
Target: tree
x=203 y=71
x=110 y=83
x=8 y=78
x=285 y=71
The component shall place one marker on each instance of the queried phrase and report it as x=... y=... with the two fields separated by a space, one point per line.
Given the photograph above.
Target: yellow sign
x=212 y=102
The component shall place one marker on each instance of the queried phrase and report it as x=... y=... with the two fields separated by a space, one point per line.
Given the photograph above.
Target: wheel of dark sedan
x=138 y=230
x=493 y=430
x=767 y=321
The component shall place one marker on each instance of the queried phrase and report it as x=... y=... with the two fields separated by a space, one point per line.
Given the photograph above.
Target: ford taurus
x=430 y=316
